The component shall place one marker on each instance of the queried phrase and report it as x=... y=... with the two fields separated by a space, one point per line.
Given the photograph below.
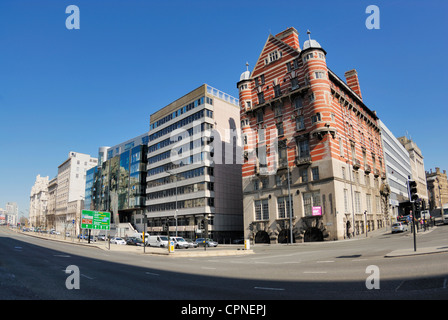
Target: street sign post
x=95 y=220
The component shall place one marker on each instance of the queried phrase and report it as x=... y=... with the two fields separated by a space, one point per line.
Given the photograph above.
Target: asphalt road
x=32 y=268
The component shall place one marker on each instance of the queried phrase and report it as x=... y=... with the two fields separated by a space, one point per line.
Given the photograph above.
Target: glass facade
x=122 y=177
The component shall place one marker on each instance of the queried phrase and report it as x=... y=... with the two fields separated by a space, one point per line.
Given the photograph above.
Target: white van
x=158 y=241
x=445 y=214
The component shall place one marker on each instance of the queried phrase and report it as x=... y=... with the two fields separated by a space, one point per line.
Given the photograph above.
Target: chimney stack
x=290 y=36
x=351 y=78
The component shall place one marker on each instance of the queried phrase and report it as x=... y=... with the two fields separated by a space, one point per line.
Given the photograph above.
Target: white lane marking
x=61 y=255
x=325 y=261
x=316 y=272
x=267 y=288
x=152 y=274
x=90 y=278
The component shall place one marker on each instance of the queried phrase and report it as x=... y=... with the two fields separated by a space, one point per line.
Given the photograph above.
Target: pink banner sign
x=317 y=211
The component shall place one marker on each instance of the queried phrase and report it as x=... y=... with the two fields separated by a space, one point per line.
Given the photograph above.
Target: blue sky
x=75 y=90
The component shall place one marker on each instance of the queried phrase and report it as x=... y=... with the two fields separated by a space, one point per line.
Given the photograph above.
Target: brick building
x=300 y=120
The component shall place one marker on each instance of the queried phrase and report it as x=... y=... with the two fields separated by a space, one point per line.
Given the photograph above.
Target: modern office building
x=398 y=170
x=309 y=141
x=194 y=167
x=118 y=183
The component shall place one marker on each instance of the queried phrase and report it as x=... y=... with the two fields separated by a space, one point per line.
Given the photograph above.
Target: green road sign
x=95 y=220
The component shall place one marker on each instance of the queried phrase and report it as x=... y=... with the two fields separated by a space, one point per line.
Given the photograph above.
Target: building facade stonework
x=38 y=202
x=301 y=121
x=417 y=167
x=437 y=188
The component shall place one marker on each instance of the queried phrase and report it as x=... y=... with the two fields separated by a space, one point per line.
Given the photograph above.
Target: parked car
x=134 y=241
x=206 y=242
x=399 y=227
x=191 y=243
x=180 y=243
x=117 y=240
x=102 y=237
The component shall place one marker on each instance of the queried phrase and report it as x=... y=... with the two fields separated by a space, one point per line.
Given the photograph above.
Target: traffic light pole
x=413 y=226
x=412 y=192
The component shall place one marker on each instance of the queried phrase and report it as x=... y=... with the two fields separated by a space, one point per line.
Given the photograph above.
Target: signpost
x=95 y=220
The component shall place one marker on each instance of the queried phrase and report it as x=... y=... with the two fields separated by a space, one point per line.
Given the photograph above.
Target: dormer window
x=273 y=56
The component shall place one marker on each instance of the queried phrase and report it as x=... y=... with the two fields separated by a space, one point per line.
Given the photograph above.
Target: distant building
x=417 y=167
x=51 y=203
x=437 y=188
x=70 y=190
x=299 y=119
x=38 y=202
x=12 y=213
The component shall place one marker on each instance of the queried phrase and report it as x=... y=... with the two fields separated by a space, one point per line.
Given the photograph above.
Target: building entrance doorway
x=262 y=237
x=313 y=234
x=283 y=236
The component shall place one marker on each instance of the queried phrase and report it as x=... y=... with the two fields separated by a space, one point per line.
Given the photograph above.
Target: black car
x=134 y=242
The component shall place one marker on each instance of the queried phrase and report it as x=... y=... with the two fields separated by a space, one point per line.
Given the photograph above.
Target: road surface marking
x=267 y=288
x=61 y=255
x=325 y=261
x=359 y=260
x=90 y=278
x=314 y=271
x=208 y=268
x=152 y=274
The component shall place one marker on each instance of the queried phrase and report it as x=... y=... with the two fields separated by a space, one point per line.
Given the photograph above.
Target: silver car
x=180 y=243
x=399 y=227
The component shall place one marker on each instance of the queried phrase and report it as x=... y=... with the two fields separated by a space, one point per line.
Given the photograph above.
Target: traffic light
x=417 y=205
x=413 y=190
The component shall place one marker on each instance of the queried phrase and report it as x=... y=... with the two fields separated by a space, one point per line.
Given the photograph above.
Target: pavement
x=409 y=251
x=229 y=250
x=418 y=251
x=221 y=250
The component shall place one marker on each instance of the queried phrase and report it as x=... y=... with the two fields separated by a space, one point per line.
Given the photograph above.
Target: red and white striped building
x=299 y=119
